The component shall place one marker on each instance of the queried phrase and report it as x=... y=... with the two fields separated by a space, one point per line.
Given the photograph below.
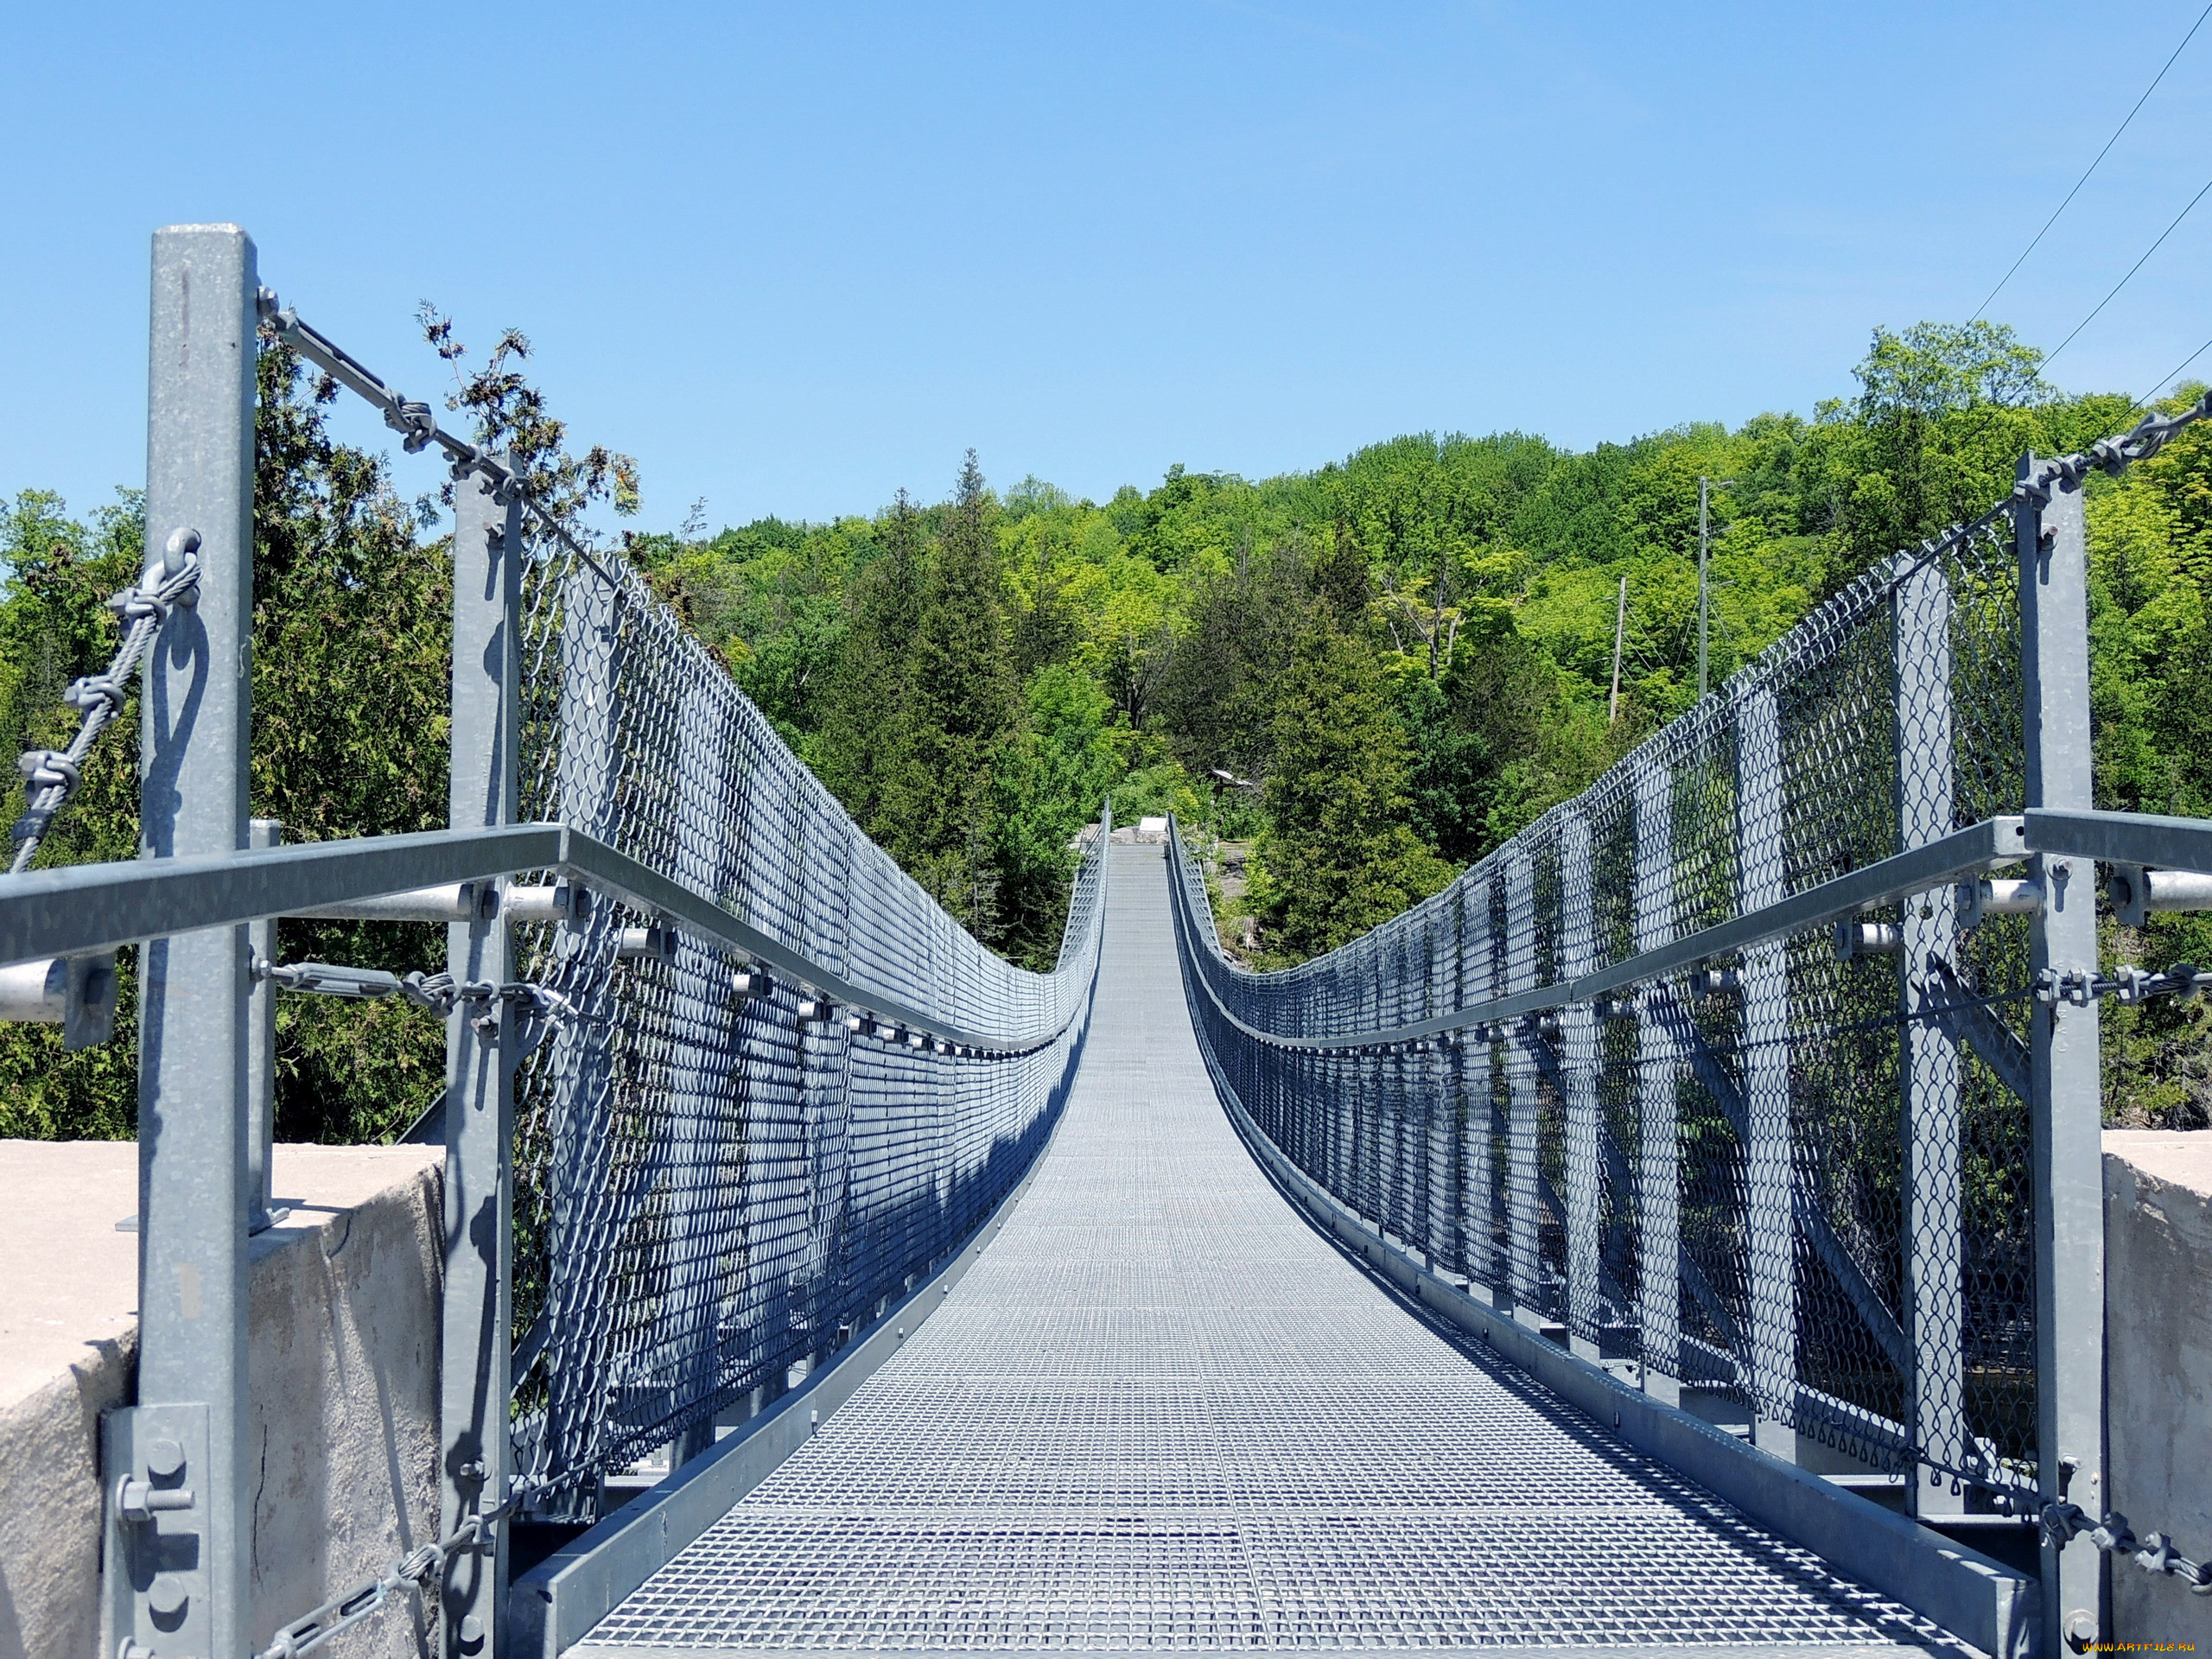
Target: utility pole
x=1620 y=627
x=1704 y=587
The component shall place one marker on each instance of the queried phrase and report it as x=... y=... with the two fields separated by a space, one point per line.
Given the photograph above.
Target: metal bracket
x=459 y=901
x=562 y=901
x=1860 y=936
x=2137 y=891
x=156 y=1472
x=646 y=944
x=76 y=993
x=1999 y=896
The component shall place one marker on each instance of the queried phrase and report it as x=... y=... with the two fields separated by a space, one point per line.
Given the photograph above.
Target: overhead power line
x=1983 y=308
x=2132 y=269
x=2172 y=375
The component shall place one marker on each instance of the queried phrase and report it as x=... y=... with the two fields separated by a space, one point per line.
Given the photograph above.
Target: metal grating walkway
x=1161 y=1413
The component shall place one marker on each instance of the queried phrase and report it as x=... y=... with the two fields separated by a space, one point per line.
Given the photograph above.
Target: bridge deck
x=1161 y=1413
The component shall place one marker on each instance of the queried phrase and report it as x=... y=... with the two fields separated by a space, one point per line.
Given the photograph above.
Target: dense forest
x=1369 y=675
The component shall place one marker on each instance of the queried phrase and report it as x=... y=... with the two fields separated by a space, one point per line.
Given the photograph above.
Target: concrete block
x=2158 y=1369
x=344 y=1351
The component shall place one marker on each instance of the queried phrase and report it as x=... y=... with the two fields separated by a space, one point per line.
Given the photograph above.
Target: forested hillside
x=1375 y=671
x=1409 y=652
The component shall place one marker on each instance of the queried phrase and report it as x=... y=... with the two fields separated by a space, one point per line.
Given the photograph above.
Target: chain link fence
x=1785 y=1182
x=720 y=1177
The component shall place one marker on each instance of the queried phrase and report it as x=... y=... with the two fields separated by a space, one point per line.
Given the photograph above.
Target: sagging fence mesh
x=1791 y=1179
x=720 y=1178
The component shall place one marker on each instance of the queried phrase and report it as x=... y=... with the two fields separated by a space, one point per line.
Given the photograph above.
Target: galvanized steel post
x=1769 y=1230
x=177 y=1581
x=1658 y=1169
x=1442 y=1089
x=1522 y=1172
x=586 y=778
x=482 y=1047
x=1478 y=1180
x=1577 y=1062
x=707 y=861
x=2065 y=1081
x=1928 y=1116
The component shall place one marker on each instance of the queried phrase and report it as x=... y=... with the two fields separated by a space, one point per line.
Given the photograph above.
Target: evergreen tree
x=1216 y=695
x=1339 y=855
x=863 y=746
x=964 y=704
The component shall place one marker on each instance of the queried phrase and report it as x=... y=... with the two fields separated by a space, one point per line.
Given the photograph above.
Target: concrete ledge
x=2158 y=1369
x=344 y=1351
x=1976 y=1598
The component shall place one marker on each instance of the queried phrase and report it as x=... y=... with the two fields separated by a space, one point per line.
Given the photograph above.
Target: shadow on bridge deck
x=1160 y=1412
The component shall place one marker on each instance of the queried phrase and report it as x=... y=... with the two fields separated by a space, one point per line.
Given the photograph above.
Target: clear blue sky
x=795 y=257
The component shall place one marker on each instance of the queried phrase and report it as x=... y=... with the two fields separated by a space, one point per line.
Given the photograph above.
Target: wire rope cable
x=2114 y=291
x=1983 y=307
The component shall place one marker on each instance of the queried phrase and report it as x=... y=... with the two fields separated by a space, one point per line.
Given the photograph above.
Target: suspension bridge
x=1571 y=1261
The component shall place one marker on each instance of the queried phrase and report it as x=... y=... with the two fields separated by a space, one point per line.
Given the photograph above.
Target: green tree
x=1339 y=852
x=1050 y=779
x=963 y=705
x=861 y=747
x=351 y=640
x=55 y=626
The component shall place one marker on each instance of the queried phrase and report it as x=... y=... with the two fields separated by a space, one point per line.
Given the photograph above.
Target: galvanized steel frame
x=977 y=1037
x=1963 y=1591
x=177 y=1578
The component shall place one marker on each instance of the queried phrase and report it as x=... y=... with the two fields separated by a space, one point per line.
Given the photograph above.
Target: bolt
x=164 y=1459
x=471 y=1633
x=2080 y=1629
x=168 y=1596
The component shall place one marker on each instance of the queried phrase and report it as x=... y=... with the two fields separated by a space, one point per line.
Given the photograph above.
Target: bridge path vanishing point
x=1160 y=1412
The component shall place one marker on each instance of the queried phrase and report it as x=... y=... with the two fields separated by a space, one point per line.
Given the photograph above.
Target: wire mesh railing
x=723 y=1084
x=1739 y=1074
x=721 y=1174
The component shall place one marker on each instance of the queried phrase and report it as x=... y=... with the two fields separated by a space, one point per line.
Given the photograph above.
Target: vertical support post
x=1578 y=1056
x=822 y=897
x=1769 y=1227
x=1478 y=1181
x=1930 y=1112
x=1338 y=1070
x=586 y=776
x=189 y=1430
x=708 y=861
x=261 y=1051
x=1658 y=1168
x=2052 y=545
x=481 y=1049
x=1443 y=1085
x=1521 y=1173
